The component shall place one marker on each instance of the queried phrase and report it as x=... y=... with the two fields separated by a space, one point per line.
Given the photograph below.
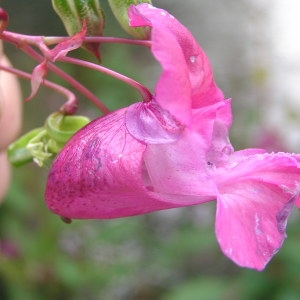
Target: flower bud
x=42 y=144
x=73 y=12
x=61 y=127
x=120 y=11
x=17 y=152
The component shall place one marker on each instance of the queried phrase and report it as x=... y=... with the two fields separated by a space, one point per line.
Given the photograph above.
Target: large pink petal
x=185 y=165
x=100 y=174
x=182 y=167
x=186 y=81
x=255 y=198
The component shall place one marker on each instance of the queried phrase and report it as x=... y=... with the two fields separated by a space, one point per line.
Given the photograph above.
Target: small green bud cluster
x=41 y=145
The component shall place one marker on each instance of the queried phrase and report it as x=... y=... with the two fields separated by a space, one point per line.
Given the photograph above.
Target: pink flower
x=174 y=151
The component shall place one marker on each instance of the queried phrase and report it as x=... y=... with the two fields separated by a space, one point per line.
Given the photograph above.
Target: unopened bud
x=73 y=12
x=41 y=145
x=61 y=127
x=120 y=11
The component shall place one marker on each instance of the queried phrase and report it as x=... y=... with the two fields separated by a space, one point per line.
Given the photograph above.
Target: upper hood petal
x=186 y=81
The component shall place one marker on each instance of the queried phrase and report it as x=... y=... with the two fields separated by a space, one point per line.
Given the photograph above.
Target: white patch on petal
x=118 y=159
x=257 y=225
x=229 y=251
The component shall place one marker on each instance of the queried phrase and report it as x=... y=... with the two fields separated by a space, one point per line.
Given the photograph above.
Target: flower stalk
x=25 y=43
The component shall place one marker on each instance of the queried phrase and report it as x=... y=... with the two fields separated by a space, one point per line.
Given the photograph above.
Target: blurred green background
x=168 y=255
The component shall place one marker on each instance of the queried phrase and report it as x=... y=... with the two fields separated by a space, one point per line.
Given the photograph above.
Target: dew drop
x=227 y=150
x=192 y=59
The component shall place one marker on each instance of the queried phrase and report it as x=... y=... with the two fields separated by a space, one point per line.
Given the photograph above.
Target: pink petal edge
x=253 y=207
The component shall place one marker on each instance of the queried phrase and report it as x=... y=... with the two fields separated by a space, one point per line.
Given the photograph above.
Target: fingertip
x=10 y=106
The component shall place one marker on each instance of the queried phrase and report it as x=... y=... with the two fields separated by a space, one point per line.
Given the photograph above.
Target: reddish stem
x=23 y=41
x=19 y=39
x=145 y=93
x=78 y=86
x=68 y=108
x=50 y=40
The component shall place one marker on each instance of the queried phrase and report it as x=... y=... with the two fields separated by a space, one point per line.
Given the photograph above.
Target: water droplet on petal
x=227 y=150
x=192 y=59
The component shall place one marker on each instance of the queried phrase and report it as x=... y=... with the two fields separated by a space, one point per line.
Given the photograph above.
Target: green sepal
x=120 y=11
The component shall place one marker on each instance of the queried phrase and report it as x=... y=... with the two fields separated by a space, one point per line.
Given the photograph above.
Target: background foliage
x=169 y=255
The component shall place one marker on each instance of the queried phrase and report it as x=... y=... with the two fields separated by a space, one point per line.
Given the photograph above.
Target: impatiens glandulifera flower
x=174 y=151
x=74 y=12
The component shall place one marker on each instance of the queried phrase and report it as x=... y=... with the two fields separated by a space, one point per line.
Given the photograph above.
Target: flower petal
x=181 y=167
x=186 y=81
x=220 y=148
x=100 y=174
x=151 y=124
x=255 y=198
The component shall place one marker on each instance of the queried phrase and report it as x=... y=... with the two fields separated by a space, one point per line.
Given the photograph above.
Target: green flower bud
x=120 y=11
x=42 y=144
x=72 y=14
x=17 y=152
x=61 y=127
